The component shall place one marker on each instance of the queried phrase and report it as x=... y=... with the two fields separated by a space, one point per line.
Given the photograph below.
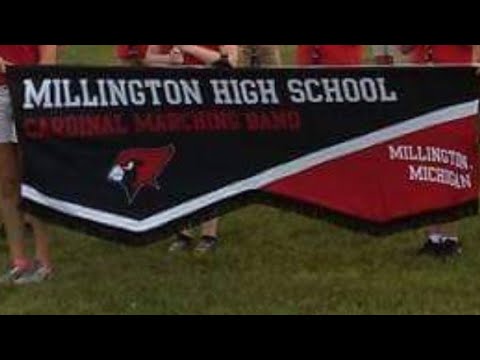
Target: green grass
x=270 y=262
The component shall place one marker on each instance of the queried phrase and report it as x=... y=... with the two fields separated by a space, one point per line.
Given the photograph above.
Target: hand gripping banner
x=130 y=151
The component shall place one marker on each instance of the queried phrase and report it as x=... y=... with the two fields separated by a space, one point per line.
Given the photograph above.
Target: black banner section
x=131 y=151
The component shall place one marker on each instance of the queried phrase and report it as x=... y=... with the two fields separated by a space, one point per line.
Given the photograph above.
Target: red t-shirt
x=187 y=58
x=131 y=52
x=442 y=54
x=19 y=55
x=454 y=54
x=419 y=54
x=329 y=54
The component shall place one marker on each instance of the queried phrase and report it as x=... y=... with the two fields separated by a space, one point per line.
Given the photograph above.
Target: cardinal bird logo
x=135 y=169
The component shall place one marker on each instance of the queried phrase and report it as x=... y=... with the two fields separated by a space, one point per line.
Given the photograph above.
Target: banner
x=127 y=151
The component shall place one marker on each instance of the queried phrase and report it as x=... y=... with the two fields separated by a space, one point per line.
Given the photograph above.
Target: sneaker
x=451 y=246
x=37 y=274
x=445 y=246
x=12 y=274
x=207 y=244
x=183 y=243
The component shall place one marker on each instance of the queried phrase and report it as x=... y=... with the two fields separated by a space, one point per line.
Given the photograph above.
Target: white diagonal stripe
x=260 y=180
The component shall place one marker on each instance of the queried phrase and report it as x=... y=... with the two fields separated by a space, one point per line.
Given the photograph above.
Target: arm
x=231 y=51
x=406 y=49
x=476 y=53
x=3 y=65
x=208 y=56
x=155 y=57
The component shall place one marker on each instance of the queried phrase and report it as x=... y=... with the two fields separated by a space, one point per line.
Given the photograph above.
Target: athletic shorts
x=8 y=133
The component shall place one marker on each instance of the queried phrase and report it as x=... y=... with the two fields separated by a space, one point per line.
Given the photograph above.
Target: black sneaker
x=206 y=245
x=183 y=243
x=431 y=248
x=451 y=246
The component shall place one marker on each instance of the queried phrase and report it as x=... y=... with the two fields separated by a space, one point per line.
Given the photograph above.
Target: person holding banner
x=440 y=54
x=222 y=56
x=131 y=55
x=330 y=54
x=442 y=239
x=21 y=270
x=190 y=55
x=163 y=55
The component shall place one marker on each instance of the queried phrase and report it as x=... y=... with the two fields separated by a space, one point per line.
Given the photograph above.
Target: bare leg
x=9 y=202
x=443 y=229
x=41 y=235
x=210 y=228
x=209 y=238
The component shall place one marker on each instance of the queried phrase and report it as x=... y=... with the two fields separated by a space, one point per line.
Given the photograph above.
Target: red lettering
x=30 y=129
x=273 y=121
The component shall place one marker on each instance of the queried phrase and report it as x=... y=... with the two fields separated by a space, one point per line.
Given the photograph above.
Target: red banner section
x=431 y=169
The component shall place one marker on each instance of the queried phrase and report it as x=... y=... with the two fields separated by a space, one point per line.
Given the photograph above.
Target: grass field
x=270 y=262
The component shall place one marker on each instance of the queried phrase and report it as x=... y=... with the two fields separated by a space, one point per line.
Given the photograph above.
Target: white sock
x=436 y=238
